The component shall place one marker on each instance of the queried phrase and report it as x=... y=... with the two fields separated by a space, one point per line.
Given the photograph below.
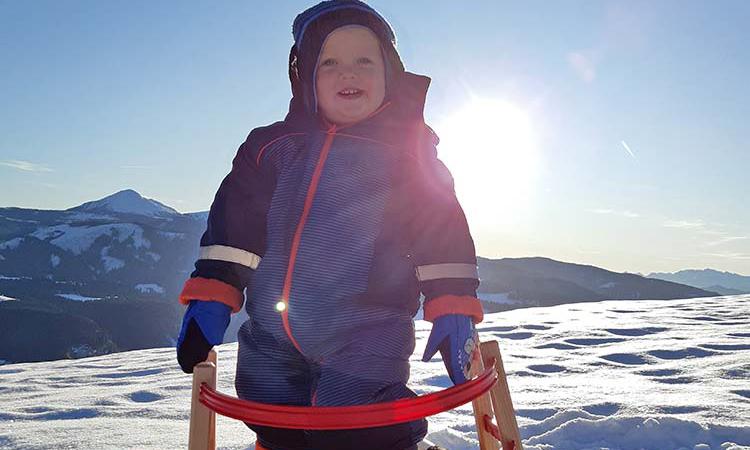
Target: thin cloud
x=684 y=224
x=625 y=213
x=713 y=236
x=729 y=255
x=24 y=166
x=726 y=240
x=627 y=147
x=714 y=233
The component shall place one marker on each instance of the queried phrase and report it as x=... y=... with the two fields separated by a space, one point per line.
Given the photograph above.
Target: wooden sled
x=493 y=412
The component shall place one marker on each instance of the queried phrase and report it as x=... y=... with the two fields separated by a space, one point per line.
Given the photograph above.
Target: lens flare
x=489 y=147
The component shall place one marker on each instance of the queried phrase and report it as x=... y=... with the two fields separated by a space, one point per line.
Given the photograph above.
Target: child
x=335 y=220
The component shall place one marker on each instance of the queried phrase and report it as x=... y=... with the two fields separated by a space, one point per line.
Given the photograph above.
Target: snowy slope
x=79 y=239
x=621 y=375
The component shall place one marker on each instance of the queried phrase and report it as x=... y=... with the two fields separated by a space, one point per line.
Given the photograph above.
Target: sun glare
x=490 y=149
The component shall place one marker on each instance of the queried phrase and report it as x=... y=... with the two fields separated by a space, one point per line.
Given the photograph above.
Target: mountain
x=127 y=202
x=543 y=282
x=726 y=283
x=104 y=276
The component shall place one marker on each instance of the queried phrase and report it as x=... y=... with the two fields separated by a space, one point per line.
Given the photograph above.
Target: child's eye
x=364 y=60
x=328 y=62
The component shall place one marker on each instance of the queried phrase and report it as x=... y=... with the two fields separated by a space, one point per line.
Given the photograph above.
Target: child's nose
x=348 y=72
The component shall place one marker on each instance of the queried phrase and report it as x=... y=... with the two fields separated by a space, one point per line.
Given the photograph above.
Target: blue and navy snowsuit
x=334 y=232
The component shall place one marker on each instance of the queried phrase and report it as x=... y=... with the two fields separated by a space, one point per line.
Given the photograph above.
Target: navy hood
x=312 y=27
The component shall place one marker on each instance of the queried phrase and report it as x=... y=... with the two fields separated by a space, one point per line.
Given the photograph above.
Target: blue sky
x=636 y=111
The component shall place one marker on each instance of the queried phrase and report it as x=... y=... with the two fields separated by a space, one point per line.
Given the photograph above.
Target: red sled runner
x=487 y=390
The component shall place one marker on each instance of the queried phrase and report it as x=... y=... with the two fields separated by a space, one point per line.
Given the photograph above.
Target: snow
x=200 y=216
x=82 y=351
x=11 y=244
x=171 y=235
x=4 y=298
x=110 y=263
x=149 y=288
x=501 y=298
x=84 y=217
x=78 y=297
x=79 y=239
x=680 y=382
x=11 y=219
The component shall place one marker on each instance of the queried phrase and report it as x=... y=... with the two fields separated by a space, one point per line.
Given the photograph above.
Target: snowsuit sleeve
x=235 y=238
x=443 y=249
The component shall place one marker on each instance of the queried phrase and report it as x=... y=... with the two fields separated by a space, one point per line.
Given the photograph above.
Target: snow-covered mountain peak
x=127 y=201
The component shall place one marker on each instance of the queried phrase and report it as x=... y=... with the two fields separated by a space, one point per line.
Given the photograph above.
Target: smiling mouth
x=350 y=93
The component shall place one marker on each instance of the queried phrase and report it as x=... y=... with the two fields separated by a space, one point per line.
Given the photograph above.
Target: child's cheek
x=323 y=83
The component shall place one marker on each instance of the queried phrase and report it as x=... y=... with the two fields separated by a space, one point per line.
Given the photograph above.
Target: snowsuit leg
x=273 y=372
x=353 y=379
x=372 y=368
x=360 y=374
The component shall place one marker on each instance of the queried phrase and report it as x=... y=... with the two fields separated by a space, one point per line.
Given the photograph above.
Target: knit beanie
x=312 y=27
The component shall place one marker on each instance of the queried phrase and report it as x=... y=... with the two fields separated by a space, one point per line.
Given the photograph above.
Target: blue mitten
x=203 y=326
x=456 y=338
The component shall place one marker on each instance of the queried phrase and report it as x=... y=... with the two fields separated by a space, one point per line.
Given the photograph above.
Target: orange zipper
x=298 y=233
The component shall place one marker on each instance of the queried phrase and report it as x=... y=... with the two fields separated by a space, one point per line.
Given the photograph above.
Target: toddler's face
x=350 y=81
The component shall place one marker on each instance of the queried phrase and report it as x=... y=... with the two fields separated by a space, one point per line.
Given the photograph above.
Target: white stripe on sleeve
x=230 y=254
x=447 y=270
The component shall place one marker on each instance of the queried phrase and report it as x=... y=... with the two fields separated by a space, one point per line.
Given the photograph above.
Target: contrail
x=625 y=144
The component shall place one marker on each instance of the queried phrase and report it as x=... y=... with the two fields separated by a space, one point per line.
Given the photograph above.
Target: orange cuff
x=453 y=304
x=208 y=289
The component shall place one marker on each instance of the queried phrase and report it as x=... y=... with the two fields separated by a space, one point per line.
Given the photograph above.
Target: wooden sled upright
x=493 y=410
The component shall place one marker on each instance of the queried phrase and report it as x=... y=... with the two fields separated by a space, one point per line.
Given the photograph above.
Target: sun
x=490 y=148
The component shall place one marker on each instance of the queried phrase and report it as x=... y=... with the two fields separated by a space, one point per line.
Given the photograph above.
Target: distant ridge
x=726 y=283
x=539 y=281
x=127 y=201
